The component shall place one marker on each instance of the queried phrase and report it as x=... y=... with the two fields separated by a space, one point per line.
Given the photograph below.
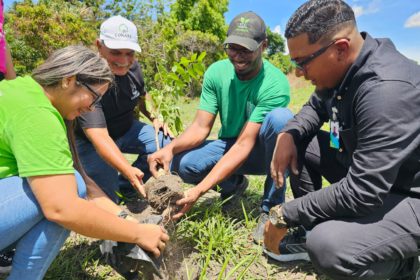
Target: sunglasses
x=96 y=96
x=231 y=50
x=301 y=64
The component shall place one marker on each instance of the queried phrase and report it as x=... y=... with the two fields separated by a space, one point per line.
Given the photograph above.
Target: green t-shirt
x=239 y=101
x=33 y=138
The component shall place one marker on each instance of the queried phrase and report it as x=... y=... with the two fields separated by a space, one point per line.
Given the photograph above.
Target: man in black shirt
x=103 y=134
x=365 y=225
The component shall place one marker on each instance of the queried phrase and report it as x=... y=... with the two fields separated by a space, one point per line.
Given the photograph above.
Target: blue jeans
x=193 y=165
x=139 y=140
x=37 y=240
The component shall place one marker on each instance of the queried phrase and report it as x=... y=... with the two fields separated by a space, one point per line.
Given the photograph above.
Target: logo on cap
x=123 y=32
x=243 y=24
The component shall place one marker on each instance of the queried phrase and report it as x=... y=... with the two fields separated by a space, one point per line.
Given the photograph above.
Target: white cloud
x=373 y=7
x=358 y=10
x=413 y=21
x=277 y=29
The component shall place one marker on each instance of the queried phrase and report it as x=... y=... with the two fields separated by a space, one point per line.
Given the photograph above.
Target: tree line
x=179 y=38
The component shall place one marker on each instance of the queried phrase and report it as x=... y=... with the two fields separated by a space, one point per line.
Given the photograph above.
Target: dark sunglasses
x=230 y=50
x=301 y=64
x=96 y=96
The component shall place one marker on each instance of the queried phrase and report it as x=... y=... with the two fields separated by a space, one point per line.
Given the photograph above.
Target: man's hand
x=190 y=197
x=284 y=155
x=135 y=176
x=273 y=236
x=158 y=125
x=159 y=159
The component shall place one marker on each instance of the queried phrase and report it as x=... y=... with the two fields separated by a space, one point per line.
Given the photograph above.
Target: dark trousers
x=316 y=160
x=382 y=245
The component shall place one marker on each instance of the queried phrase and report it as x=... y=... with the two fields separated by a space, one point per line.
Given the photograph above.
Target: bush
x=39 y=29
x=282 y=61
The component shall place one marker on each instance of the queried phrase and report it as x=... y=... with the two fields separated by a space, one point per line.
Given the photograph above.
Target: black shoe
x=6 y=261
x=231 y=199
x=292 y=247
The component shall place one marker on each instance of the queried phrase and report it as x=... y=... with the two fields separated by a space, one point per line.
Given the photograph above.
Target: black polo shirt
x=116 y=109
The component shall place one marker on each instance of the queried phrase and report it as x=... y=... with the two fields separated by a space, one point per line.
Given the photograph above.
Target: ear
x=67 y=82
x=343 y=48
x=264 y=44
x=100 y=46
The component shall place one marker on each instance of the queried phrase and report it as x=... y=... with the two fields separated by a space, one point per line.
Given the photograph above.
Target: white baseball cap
x=118 y=32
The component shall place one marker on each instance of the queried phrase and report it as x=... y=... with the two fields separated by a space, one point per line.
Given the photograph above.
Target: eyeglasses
x=96 y=96
x=301 y=64
x=230 y=50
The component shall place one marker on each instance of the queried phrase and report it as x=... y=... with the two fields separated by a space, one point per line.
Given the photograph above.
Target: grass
x=207 y=243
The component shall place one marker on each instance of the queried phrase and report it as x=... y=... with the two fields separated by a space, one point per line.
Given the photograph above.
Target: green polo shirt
x=239 y=101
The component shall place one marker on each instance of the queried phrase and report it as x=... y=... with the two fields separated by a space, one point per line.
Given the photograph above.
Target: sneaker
x=231 y=199
x=258 y=234
x=6 y=261
x=292 y=247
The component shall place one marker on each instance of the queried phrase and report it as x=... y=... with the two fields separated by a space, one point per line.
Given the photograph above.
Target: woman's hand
x=152 y=238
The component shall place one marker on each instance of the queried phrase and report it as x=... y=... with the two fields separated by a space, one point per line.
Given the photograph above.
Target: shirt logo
x=136 y=94
x=249 y=109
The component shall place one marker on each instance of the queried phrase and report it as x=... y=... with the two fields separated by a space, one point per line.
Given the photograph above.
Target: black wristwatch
x=276 y=217
x=123 y=214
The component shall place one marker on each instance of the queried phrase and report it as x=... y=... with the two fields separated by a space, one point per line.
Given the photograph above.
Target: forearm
x=10 y=71
x=192 y=137
x=234 y=158
x=307 y=121
x=96 y=196
x=227 y=165
x=87 y=219
x=64 y=207
x=143 y=107
x=110 y=152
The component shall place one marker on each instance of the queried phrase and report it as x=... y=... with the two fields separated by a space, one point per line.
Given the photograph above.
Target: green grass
x=207 y=243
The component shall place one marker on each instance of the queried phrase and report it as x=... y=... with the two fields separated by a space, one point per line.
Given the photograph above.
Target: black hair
x=320 y=19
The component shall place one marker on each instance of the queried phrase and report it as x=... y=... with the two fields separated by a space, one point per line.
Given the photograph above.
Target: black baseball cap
x=246 y=29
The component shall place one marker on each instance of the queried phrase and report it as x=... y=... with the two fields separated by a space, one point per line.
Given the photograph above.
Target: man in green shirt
x=250 y=94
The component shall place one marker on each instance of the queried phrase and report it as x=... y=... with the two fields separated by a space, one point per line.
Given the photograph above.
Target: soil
x=163 y=192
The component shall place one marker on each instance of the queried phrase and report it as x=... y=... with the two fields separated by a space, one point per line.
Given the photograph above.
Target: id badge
x=334 y=135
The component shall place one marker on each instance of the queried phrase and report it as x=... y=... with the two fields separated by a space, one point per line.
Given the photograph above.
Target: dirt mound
x=163 y=192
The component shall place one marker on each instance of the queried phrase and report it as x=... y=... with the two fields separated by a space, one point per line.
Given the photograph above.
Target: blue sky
x=398 y=20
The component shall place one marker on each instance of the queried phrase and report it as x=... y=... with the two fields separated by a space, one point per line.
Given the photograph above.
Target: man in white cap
x=103 y=134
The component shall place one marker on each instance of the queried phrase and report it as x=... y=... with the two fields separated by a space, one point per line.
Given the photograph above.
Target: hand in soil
x=152 y=238
x=135 y=176
x=190 y=197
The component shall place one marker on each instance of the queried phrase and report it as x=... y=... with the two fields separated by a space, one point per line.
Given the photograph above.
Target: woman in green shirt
x=42 y=196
